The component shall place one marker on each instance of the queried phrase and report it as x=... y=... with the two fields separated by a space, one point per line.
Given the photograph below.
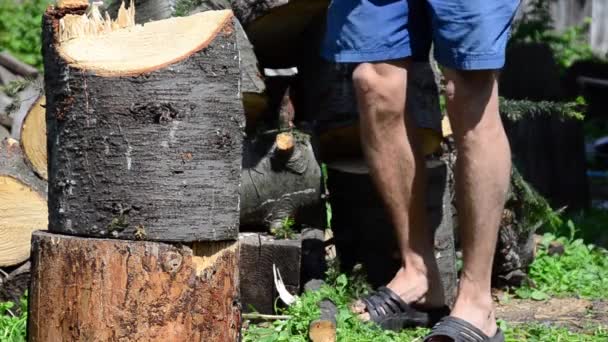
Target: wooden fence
x=573 y=12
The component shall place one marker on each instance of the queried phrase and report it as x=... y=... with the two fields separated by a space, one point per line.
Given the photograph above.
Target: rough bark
x=253 y=89
x=152 y=155
x=23 y=205
x=258 y=253
x=86 y=289
x=275 y=187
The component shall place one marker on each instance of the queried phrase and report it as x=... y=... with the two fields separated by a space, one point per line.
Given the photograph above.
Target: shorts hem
x=477 y=62
x=354 y=56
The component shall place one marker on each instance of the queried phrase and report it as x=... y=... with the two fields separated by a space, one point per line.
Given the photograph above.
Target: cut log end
x=118 y=47
x=285 y=142
x=33 y=138
x=69 y=4
x=23 y=211
x=322 y=331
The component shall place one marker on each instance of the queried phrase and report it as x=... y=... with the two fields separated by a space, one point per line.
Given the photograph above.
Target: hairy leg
x=482 y=178
x=397 y=170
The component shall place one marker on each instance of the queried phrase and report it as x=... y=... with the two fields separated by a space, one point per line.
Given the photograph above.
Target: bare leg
x=482 y=178
x=398 y=173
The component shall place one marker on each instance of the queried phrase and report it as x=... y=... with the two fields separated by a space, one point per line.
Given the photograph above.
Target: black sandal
x=462 y=331
x=390 y=312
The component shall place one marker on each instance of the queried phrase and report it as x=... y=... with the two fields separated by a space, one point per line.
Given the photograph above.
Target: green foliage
x=582 y=270
x=285 y=230
x=12 y=326
x=536 y=26
x=20 y=29
x=515 y=110
x=351 y=329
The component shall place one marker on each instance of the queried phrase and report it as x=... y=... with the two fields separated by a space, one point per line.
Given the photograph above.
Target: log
x=144 y=141
x=258 y=253
x=276 y=186
x=23 y=204
x=33 y=137
x=323 y=329
x=16 y=66
x=86 y=289
x=6 y=76
x=22 y=103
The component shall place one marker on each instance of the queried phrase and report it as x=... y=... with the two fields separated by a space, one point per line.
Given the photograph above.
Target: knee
x=471 y=84
x=381 y=96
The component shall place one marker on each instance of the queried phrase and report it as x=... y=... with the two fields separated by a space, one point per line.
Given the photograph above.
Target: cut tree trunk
x=144 y=126
x=253 y=89
x=89 y=289
x=23 y=206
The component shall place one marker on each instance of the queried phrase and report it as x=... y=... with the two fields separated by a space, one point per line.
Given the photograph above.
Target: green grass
x=351 y=329
x=12 y=326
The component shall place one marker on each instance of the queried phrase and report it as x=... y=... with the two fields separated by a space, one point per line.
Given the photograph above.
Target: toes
x=364 y=317
x=358 y=307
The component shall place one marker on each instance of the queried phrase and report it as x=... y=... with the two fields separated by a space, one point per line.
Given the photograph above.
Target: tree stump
x=86 y=289
x=144 y=127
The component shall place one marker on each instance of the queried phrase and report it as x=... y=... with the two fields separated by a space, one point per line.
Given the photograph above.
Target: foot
x=414 y=287
x=476 y=310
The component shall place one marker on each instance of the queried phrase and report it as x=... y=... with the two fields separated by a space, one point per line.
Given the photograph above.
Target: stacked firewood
x=23 y=206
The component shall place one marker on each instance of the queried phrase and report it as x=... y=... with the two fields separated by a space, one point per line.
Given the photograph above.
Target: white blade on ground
x=285 y=296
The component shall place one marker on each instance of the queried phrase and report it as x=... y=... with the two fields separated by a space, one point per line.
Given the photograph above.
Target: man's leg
x=483 y=169
x=397 y=170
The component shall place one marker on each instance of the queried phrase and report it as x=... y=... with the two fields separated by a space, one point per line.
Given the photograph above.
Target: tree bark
x=151 y=153
x=23 y=206
x=86 y=289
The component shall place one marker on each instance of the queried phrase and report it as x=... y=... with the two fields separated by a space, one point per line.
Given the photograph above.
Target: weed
x=582 y=270
x=13 y=327
x=285 y=229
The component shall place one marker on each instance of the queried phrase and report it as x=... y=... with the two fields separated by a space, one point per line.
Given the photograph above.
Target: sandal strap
x=460 y=330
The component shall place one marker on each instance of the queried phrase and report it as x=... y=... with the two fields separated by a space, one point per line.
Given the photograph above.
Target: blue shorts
x=466 y=34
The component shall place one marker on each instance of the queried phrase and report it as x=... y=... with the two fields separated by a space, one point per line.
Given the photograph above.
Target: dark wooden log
x=314 y=265
x=258 y=253
x=87 y=289
x=277 y=28
x=16 y=66
x=275 y=187
x=23 y=204
x=152 y=152
x=363 y=234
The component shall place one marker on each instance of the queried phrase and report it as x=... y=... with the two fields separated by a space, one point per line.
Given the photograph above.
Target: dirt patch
x=573 y=313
